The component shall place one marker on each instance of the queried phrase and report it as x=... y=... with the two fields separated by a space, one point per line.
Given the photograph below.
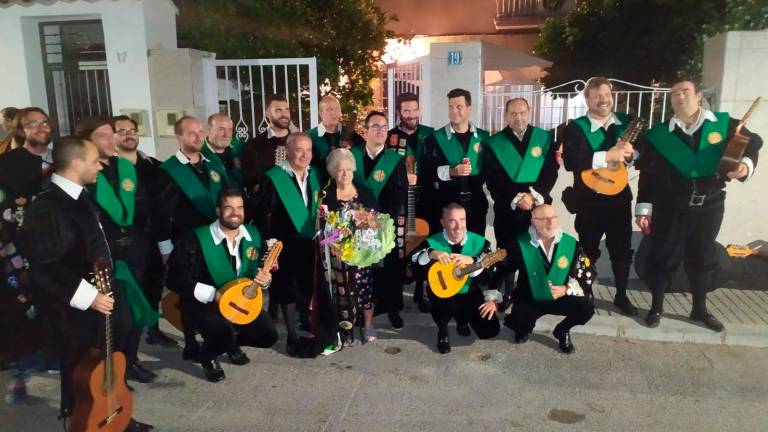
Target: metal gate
x=244 y=85
x=555 y=106
x=76 y=77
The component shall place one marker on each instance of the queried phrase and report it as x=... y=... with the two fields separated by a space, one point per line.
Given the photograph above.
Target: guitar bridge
x=236 y=307
x=110 y=417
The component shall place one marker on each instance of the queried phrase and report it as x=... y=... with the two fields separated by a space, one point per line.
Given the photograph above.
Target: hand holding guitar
x=620 y=152
x=742 y=171
x=103 y=303
x=412 y=179
x=263 y=278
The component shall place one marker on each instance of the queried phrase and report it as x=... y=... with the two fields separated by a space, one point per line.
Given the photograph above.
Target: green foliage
x=346 y=36
x=641 y=40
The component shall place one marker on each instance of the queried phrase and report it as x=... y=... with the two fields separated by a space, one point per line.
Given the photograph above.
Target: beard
x=281 y=122
x=128 y=144
x=231 y=223
x=410 y=123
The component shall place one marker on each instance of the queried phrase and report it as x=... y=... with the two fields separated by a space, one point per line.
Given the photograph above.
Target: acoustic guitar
x=169 y=309
x=446 y=280
x=103 y=402
x=241 y=299
x=736 y=251
x=417 y=229
x=614 y=178
x=737 y=145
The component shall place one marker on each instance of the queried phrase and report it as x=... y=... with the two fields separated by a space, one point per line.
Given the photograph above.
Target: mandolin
x=446 y=280
x=614 y=178
x=737 y=145
x=103 y=402
x=241 y=299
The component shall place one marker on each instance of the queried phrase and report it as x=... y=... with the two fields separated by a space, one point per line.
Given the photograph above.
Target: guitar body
x=414 y=239
x=733 y=153
x=442 y=280
x=606 y=181
x=169 y=307
x=235 y=306
x=97 y=410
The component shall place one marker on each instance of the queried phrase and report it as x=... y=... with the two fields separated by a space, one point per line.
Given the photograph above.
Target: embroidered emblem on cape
x=128 y=185
x=714 y=138
x=251 y=253
x=536 y=151
x=215 y=176
x=562 y=262
x=379 y=175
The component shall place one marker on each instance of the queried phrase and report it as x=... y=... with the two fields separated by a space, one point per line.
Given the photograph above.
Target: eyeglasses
x=379 y=128
x=36 y=124
x=546 y=219
x=124 y=132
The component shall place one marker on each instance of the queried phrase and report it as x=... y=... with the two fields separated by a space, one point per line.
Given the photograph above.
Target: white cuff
x=750 y=167
x=422 y=258
x=84 y=296
x=204 y=293
x=573 y=288
x=643 y=209
x=538 y=199
x=514 y=202
x=635 y=158
x=493 y=295
x=165 y=247
x=444 y=172
x=598 y=160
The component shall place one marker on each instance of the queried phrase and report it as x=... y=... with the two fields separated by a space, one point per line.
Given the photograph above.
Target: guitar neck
x=751 y=109
x=469 y=269
x=410 y=222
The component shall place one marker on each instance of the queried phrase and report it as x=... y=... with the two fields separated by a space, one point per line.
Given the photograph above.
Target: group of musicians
x=208 y=214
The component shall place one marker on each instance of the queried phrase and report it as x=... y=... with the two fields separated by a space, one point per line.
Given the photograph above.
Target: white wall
x=735 y=67
x=127 y=37
x=443 y=78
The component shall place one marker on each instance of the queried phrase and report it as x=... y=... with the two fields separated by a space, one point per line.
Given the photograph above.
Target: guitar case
x=746 y=273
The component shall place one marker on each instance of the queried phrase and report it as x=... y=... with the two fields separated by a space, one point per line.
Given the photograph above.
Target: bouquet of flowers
x=358 y=236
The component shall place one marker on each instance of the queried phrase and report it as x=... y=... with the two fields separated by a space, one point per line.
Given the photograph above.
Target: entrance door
x=76 y=77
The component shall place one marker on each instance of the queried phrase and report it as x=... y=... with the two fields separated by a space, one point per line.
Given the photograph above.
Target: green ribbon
x=597 y=138
x=303 y=218
x=203 y=197
x=454 y=153
x=142 y=313
x=690 y=163
x=378 y=177
x=522 y=169
x=538 y=278
x=217 y=258
x=472 y=248
x=120 y=205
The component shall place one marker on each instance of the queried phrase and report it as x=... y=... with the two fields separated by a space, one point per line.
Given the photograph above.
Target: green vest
x=472 y=247
x=120 y=206
x=538 y=278
x=320 y=146
x=522 y=169
x=203 y=197
x=692 y=164
x=303 y=218
x=454 y=153
x=235 y=176
x=385 y=166
x=597 y=138
x=217 y=258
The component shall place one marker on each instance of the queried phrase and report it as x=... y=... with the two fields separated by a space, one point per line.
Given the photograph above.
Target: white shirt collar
x=271 y=132
x=185 y=160
x=71 y=188
x=520 y=136
x=704 y=114
x=536 y=241
x=398 y=125
x=596 y=124
x=321 y=130
x=286 y=166
x=461 y=243
x=218 y=234
x=449 y=130
x=373 y=156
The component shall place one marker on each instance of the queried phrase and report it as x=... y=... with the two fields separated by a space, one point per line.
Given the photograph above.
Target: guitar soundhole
x=238 y=308
x=442 y=280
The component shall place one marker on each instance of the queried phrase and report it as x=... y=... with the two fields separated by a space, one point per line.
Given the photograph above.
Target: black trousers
x=293 y=281
x=577 y=311
x=220 y=335
x=615 y=222
x=464 y=308
x=685 y=235
x=507 y=226
x=388 y=283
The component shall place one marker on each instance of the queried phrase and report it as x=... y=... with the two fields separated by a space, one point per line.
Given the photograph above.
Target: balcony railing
x=528 y=14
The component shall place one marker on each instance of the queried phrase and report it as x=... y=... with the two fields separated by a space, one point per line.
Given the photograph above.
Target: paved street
x=400 y=383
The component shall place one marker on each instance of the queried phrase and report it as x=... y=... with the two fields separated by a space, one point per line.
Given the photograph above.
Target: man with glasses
x=382 y=172
x=554 y=274
x=146 y=173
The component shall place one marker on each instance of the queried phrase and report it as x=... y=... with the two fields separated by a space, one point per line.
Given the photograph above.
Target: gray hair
x=336 y=157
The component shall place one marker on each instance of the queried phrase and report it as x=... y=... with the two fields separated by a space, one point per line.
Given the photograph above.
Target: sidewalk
x=743 y=312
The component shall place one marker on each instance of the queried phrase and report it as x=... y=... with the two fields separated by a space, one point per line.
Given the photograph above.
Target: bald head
x=544 y=220
x=298 y=148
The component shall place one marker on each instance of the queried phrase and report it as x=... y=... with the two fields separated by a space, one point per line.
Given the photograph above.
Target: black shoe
x=443 y=343
x=708 y=320
x=135 y=371
x=395 y=320
x=292 y=348
x=213 y=371
x=653 y=319
x=137 y=426
x=625 y=306
x=462 y=329
x=564 y=341
x=191 y=354
x=238 y=357
x=423 y=306
x=521 y=338
x=157 y=337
